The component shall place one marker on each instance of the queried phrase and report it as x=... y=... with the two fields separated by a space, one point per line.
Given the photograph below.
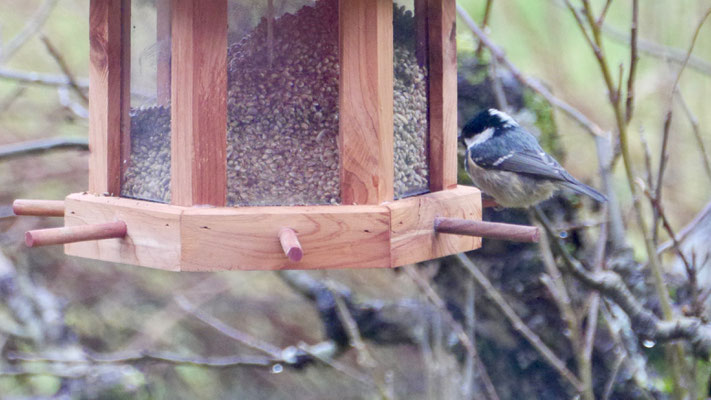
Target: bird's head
x=484 y=125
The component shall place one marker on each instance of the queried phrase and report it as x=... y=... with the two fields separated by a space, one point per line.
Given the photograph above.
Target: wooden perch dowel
x=489 y=230
x=71 y=234
x=290 y=244
x=40 y=208
x=488 y=202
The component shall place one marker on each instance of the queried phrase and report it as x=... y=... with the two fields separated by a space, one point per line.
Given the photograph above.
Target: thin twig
x=593 y=312
x=562 y=300
x=498 y=88
x=469 y=387
x=603 y=13
x=649 y=176
x=365 y=359
x=519 y=326
x=700 y=218
x=610 y=385
x=575 y=226
x=11 y=98
x=233 y=333
x=338 y=366
x=689 y=266
x=634 y=57
x=484 y=23
x=147 y=355
x=59 y=59
x=657 y=188
x=690 y=49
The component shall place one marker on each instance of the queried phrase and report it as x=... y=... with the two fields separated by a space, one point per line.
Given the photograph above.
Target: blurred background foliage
x=111 y=308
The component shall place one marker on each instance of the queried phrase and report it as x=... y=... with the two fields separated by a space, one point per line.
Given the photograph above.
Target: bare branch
x=36 y=78
x=34 y=147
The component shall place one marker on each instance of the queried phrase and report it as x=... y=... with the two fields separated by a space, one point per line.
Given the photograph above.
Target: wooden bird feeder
x=234 y=134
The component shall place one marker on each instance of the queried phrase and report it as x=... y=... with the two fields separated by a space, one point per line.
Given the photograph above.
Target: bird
x=507 y=163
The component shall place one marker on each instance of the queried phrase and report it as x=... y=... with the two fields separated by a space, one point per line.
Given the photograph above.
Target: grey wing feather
x=528 y=162
x=539 y=164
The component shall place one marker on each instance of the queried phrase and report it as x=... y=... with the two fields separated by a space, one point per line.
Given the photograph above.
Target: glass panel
x=282 y=107
x=147 y=166
x=410 y=101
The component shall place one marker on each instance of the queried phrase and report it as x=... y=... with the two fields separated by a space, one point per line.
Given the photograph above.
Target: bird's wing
x=529 y=161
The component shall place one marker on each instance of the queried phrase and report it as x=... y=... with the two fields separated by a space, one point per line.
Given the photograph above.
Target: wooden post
x=199 y=102
x=39 y=208
x=490 y=230
x=366 y=101
x=290 y=244
x=72 y=234
x=163 y=40
x=110 y=92
x=443 y=94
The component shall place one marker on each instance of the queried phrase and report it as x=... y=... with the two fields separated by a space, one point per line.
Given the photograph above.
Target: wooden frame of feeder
x=369 y=230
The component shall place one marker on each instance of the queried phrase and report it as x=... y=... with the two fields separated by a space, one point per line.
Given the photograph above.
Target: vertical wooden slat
x=199 y=105
x=163 y=59
x=366 y=101
x=108 y=96
x=443 y=94
x=126 y=17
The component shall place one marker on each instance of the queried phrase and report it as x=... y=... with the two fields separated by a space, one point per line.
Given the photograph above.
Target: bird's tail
x=582 y=188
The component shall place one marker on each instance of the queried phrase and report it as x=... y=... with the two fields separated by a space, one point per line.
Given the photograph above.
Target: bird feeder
x=234 y=134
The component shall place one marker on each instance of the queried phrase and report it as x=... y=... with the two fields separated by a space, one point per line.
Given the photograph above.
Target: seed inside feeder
x=282 y=114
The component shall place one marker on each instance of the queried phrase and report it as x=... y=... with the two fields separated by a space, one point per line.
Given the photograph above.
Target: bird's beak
x=460 y=139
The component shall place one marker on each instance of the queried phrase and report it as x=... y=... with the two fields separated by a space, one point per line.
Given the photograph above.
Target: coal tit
x=507 y=163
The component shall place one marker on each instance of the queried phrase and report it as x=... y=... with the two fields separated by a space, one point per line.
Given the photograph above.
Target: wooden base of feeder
x=248 y=238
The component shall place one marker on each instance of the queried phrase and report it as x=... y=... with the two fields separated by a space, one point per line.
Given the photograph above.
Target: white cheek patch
x=480 y=138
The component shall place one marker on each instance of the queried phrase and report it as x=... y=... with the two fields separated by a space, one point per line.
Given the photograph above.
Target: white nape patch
x=505 y=118
x=480 y=138
x=504 y=158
